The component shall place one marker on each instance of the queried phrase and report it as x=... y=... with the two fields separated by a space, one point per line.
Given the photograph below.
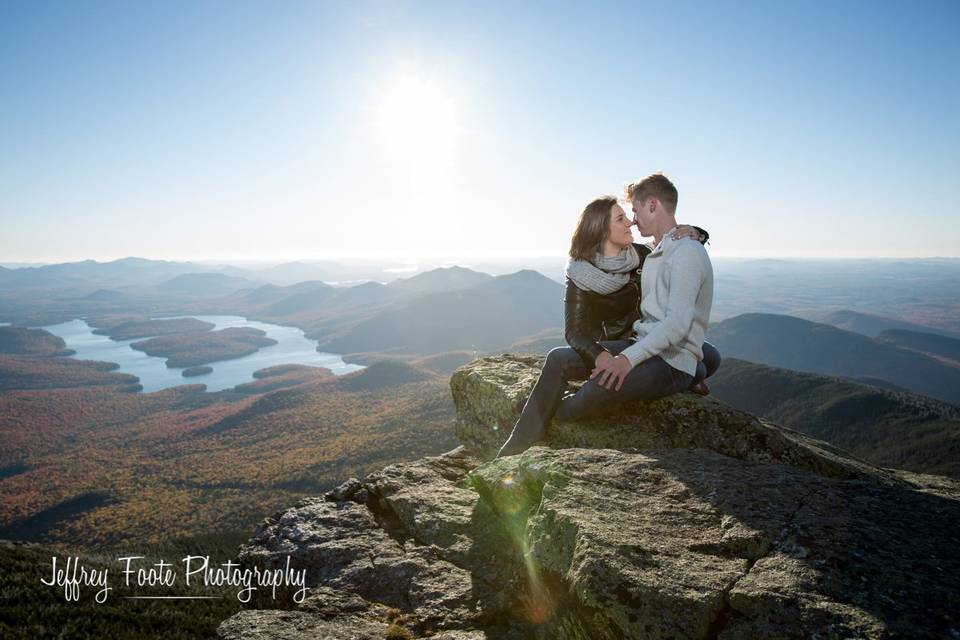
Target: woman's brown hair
x=593 y=227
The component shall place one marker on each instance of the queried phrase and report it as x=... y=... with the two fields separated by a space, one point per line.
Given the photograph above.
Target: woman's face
x=618 y=230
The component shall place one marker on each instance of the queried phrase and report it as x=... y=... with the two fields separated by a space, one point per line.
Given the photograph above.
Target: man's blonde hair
x=656 y=185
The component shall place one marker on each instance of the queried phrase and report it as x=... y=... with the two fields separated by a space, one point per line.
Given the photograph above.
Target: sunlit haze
x=402 y=130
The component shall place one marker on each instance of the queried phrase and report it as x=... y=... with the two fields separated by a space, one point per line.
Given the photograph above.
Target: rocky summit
x=681 y=518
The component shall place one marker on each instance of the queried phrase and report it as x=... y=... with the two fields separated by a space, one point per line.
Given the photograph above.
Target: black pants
x=649 y=380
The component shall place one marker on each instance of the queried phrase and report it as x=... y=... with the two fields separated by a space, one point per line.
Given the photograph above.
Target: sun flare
x=417 y=123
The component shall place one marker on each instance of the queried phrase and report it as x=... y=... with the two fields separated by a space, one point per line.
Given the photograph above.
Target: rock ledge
x=679 y=519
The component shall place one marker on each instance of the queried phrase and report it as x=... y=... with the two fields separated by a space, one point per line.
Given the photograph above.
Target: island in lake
x=149 y=328
x=32 y=342
x=202 y=347
x=196 y=371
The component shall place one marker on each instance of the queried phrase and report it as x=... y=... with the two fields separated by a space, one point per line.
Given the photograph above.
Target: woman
x=600 y=307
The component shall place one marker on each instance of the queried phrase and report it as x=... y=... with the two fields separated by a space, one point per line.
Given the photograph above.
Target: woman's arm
x=577 y=325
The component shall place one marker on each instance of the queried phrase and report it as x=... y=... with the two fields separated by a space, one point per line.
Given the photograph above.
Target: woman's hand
x=685 y=231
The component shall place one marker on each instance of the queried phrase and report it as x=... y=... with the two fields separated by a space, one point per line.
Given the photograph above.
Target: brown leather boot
x=701 y=389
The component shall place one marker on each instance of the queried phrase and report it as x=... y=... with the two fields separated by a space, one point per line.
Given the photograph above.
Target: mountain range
x=872 y=325
x=461 y=310
x=801 y=345
x=483 y=317
x=943 y=348
x=887 y=428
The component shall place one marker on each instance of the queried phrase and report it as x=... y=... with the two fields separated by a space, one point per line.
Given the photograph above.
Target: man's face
x=643 y=215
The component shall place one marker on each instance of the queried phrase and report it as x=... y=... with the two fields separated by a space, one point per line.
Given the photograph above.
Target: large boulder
x=688 y=543
x=489 y=395
x=721 y=527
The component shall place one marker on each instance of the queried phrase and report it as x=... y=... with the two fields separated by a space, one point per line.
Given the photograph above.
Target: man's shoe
x=700 y=388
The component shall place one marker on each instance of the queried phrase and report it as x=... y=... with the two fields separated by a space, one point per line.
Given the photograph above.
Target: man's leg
x=711 y=359
x=705 y=368
x=562 y=365
x=649 y=380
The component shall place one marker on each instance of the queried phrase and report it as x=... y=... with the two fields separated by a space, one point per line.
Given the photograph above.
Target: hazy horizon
x=446 y=261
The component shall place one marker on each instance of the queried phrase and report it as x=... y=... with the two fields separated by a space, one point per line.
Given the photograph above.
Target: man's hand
x=612 y=371
x=603 y=359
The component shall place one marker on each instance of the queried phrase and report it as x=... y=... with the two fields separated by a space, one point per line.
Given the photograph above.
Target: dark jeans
x=649 y=380
x=709 y=365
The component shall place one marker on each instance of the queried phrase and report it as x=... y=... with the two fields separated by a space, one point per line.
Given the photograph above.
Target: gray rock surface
x=693 y=544
x=325 y=613
x=714 y=526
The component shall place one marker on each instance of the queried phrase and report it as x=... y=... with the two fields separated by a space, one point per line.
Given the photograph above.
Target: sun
x=417 y=124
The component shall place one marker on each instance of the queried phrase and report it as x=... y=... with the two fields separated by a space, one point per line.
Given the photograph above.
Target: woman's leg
x=562 y=365
x=649 y=380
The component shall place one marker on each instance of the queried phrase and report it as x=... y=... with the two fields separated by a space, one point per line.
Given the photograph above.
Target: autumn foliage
x=85 y=460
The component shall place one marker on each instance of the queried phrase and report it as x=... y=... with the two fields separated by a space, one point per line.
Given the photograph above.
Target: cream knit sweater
x=676 y=295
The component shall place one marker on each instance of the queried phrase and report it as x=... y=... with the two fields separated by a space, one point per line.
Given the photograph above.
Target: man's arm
x=688 y=269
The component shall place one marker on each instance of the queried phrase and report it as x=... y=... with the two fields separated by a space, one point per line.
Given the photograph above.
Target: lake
x=292 y=348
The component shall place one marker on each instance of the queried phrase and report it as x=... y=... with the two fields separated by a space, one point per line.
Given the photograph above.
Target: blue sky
x=219 y=130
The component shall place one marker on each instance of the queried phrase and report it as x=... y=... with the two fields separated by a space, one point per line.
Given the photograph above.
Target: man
x=676 y=288
x=662 y=357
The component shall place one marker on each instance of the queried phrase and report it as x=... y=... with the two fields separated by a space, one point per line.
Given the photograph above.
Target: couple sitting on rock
x=628 y=353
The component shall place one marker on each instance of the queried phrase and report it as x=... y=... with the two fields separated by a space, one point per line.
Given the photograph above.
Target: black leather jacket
x=592 y=317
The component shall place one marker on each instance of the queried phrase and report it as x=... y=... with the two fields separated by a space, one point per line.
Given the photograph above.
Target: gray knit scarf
x=604 y=274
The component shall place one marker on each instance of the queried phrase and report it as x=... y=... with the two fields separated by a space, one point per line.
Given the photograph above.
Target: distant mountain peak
x=382 y=374
x=525 y=275
x=872 y=324
x=442 y=279
x=108 y=295
x=134 y=260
